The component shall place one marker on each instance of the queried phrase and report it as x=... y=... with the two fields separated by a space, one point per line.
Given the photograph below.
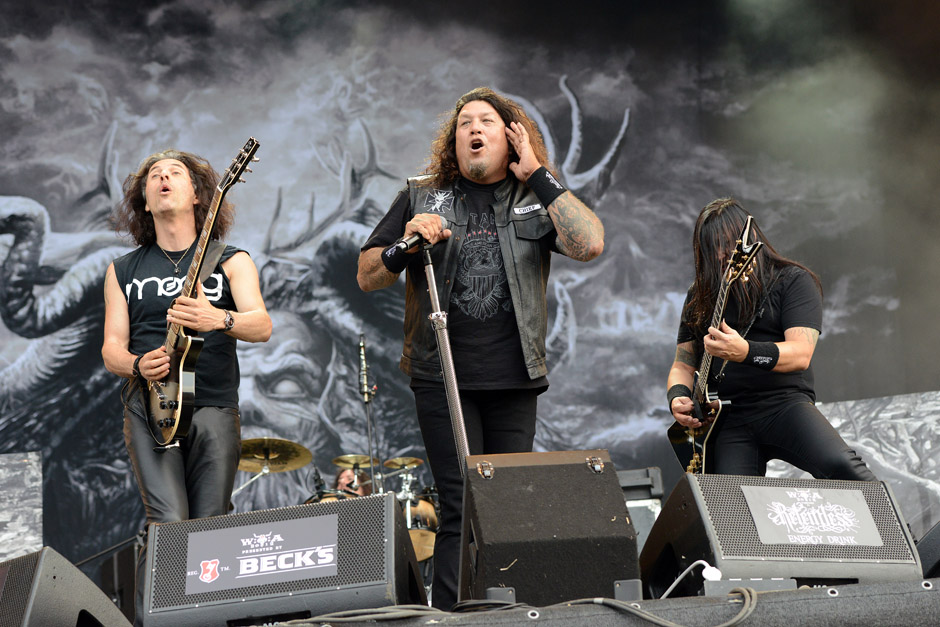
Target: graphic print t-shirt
x=149 y=284
x=481 y=321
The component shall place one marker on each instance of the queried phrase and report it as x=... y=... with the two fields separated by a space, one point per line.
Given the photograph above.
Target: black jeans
x=799 y=435
x=497 y=421
x=192 y=481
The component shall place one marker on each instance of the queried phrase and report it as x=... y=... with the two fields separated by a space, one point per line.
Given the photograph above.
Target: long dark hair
x=717 y=228
x=443 y=166
x=132 y=217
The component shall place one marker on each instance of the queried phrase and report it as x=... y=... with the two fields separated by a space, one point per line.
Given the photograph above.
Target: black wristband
x=395 y=259
x=136 y=367
x=675 y=392
x=763 y=355
x=545 y=186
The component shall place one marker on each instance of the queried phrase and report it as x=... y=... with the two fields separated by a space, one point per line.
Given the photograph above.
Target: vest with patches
x=522 y=224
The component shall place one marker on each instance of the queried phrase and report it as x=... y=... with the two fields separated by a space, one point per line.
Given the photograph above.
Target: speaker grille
x=362 y=525
x=738 y=536
x=15 y=591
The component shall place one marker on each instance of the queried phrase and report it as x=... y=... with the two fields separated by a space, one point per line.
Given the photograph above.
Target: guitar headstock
x=239 y=165
x=744 y=257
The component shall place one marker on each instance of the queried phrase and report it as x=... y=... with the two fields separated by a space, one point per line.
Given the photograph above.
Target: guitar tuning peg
x=248 y=170
x=241 y=180
x=256 y=159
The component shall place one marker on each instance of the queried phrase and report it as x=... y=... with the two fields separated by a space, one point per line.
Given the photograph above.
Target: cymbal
x=351 y=460
x=280 y=455
x=403 y=462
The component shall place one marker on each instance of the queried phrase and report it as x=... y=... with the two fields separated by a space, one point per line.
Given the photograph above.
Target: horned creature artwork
x=57 y=397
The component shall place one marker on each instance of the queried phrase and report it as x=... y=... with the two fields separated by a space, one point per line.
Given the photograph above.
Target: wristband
x=545 y=186
x=135 y=369
x=395 y=259
x=675 y=392
x=763 y=355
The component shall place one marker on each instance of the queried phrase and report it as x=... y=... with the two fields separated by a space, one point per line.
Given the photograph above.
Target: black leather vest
x=522 y=224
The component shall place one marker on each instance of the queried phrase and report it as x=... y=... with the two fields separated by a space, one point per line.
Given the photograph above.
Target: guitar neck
x=706 y=363
x=189 y=285
x=231 y=176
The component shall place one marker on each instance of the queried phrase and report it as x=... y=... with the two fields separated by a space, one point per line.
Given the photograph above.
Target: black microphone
x=407 y=242
x=363 y=370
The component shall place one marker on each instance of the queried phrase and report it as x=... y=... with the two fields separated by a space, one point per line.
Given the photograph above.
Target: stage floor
x=854 y=605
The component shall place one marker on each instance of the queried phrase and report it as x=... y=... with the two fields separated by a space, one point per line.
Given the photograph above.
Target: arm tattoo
x=577 y=226
x=811 y=335
x=685 y=356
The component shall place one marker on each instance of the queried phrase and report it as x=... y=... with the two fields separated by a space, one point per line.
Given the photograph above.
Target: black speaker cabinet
x=117 y=578
x=821 y=532
x=928 y=548
x=554 y=526
x=44 y=589
x=280 y=564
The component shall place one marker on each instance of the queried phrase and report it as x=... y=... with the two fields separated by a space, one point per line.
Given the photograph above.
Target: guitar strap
x=213 y=253
x=757 y=314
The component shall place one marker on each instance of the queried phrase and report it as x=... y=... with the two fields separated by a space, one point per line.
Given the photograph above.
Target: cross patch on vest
x=439 y=201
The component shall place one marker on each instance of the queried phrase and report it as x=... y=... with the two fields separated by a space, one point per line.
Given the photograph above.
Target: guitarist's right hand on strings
x=682 y=411
x=155 y=365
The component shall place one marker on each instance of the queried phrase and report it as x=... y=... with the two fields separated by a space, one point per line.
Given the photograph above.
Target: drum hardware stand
x=265 y=470
x=284 y=455
x=367 y=395
x=438 y=320
x=380 y=476
x=407 y=494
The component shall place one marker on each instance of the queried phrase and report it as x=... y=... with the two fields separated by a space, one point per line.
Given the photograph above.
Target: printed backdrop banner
x=821 y=123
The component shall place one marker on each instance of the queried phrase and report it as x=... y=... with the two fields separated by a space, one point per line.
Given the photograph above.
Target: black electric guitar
x=690 y=443
x=169 y=402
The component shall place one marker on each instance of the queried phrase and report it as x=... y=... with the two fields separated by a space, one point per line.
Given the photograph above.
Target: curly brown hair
x=132 y=217
x=442 y=164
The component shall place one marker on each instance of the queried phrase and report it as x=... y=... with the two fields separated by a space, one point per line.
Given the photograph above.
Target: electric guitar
x=169 y=403
x=690 y=443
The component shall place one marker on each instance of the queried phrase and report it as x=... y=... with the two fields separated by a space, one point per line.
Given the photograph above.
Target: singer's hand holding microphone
x=427 y=227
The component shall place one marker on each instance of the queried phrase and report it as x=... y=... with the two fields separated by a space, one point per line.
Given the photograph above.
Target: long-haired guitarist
x=762 y=352
x=165 y=206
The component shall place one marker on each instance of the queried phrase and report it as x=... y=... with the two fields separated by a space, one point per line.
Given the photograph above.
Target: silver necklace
x=176 y=264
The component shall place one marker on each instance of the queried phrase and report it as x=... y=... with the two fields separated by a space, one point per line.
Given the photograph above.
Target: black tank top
x=149 y=284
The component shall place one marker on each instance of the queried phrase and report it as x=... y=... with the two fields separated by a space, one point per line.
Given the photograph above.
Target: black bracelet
x=763 y=355
x=395 y=259
x=136 y=367
x=675 y=392
x=545 y=186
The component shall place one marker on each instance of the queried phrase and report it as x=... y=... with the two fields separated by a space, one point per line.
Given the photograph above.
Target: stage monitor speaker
x=818 y=532
x=928 y=548
x=554 y=526
x=44 y=589
x=117 y=578
x=280 y=564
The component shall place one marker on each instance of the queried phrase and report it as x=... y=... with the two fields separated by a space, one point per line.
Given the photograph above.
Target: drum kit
x=264 y=456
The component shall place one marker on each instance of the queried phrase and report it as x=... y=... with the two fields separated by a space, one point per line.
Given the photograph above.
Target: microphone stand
x=438 y=320
x=367 y=396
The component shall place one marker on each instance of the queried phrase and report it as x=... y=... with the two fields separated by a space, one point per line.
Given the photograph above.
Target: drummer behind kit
x=264 y=456
x=419 y=507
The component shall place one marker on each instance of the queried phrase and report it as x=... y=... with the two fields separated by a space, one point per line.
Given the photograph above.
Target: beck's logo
x=210 y=570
